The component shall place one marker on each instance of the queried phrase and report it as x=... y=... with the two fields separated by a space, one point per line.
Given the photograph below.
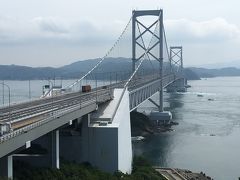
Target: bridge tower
x=158 y=34
x=176 y=62
x=176 y=58
x=149 y=50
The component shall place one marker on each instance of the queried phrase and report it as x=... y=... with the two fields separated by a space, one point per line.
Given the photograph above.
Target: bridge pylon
x=158 y=34
x=136 y=23
x=176 y=63
x=138 y=40
x=176 y=59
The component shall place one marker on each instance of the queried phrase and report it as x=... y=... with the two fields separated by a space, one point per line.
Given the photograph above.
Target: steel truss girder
x=139 y=95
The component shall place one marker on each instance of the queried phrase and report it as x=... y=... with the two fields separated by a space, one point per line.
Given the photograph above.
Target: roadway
x=23 y=114
x=45 y=107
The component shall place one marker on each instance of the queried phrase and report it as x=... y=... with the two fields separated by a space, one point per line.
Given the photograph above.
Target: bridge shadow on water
x=157 y=147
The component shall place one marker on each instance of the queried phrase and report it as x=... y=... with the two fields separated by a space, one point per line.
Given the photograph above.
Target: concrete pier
x=55 y=149
x=102 y=141
x=111 y=147
x=161 y=117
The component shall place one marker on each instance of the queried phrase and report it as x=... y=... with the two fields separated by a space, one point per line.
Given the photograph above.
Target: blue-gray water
x=207 y=137
x=190 y=145
x=22 y=91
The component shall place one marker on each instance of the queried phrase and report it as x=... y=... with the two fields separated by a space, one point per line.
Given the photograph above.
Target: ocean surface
x=208 y=135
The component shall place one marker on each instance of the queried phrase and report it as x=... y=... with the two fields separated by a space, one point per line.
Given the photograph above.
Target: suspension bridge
x=103 y=114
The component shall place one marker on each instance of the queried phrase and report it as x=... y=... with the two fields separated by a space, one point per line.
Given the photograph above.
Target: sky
x=59 y=32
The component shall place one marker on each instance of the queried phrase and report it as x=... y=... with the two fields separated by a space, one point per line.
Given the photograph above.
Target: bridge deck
x=21 y=116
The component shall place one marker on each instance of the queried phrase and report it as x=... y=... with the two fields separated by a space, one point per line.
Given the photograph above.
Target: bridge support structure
x=49 y=160
x=55 y=149
x=149 y=50
x=177 y=86
x=176 y=62
x=159 y=117
x=6 y=166
x=107 y=142
x=176 y=58
x=138 y=40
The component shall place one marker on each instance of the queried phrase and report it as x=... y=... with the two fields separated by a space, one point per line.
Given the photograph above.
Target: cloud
x=92 y=40
x=44 y=29
x=48 y=29
x=50 y=25
x=211 y=31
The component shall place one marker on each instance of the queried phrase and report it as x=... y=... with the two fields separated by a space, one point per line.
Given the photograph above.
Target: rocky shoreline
x=141 y=127
x=181 y=174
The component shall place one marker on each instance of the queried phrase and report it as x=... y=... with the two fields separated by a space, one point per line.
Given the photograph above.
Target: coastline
x=140 y=132
x=181 y=174
x=141 y=125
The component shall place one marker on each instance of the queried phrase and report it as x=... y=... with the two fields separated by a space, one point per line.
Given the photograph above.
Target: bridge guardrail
x=55 y=114
x=39 y=123
x=140 y=94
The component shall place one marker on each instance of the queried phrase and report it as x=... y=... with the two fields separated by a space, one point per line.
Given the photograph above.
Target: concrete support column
x=10 y=167
x=55 y=149
x=85 y=142
x=6 y=167
x=109 y=144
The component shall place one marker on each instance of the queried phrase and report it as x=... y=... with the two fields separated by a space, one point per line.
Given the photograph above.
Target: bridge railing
x=25 y=129
x=93 y=98
x=139 y=94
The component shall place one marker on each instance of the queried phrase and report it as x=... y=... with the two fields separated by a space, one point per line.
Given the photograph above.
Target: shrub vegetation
x=142 y=170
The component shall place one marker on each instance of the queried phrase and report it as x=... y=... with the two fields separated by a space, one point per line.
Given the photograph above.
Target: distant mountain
x=77 y=69
x=220 y=65
x=74 y=70
x=206 y=73
x=14 y=72
x=191 y=75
